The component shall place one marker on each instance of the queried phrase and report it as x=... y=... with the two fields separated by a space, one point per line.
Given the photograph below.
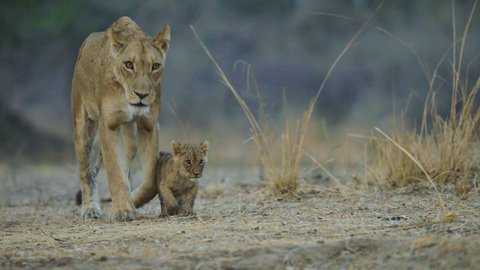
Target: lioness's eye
x=201 y=162
x=188 y=162
x=128 y=64
x=155 y=66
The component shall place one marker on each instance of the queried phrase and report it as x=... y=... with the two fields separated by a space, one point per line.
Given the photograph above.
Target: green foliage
x=21 y=19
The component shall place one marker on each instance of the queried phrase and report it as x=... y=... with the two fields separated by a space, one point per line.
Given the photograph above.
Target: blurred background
x=288 y=45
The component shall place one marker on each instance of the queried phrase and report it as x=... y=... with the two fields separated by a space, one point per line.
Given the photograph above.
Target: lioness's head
x=190 y=159
x=138 y=60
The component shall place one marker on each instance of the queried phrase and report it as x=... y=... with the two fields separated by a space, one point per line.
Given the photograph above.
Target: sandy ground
x=237 y=227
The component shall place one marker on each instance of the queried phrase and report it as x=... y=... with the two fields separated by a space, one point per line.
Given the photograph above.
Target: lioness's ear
x=177 y=148
x=203 y=147
x=118 y=32
x=163 y=39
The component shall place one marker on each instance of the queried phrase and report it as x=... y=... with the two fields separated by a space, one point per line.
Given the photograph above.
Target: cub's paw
x=91 y=213
x=124 y=215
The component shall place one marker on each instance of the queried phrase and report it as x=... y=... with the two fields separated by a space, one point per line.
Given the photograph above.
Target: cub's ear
x=203 y=146
x=177 y=148
x=118 y=32
x=162 y=40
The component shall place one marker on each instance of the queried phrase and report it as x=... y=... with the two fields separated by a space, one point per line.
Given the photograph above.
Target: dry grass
x=443 y=149
x=280 y=152
x=187 y=137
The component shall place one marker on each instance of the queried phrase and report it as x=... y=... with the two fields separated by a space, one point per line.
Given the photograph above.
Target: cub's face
x=138 y=61
x=190 y=159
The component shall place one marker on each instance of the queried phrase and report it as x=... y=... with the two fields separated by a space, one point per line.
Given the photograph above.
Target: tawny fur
x=115 y=102
x=176 y=181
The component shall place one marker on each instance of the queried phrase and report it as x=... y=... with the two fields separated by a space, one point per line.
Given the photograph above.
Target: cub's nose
x=141 y=95
x=197 y=174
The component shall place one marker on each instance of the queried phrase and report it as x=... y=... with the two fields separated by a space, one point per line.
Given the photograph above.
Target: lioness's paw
x=124 y=215
x=186 y=212
x=172 y=210
x=91 y=213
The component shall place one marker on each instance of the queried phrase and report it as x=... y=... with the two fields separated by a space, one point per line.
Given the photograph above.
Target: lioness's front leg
x=129 y=134
x=114 y=161
x=87 y=152
x=148 y=146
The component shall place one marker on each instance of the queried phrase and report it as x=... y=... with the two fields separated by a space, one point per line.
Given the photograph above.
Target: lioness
x=115 y=103
x=176 y=181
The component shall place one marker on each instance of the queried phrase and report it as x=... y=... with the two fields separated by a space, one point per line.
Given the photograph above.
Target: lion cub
x=176 y=180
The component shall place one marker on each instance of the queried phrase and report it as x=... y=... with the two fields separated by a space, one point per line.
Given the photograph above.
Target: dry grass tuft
x=444 y=149
x=213 y=191
x=450 y=217
x=280 y=159
x=281 y=152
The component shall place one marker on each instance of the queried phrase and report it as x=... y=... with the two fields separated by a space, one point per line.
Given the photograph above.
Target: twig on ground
x=51 y=236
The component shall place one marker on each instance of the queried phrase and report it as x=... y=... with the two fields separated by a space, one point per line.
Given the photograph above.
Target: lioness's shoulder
x=92 y=40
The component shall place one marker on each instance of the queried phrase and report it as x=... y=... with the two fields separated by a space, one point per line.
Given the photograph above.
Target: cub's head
x=138 y=60
x=190 y=159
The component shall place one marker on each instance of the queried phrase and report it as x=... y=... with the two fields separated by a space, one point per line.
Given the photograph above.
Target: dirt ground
x=237 y=227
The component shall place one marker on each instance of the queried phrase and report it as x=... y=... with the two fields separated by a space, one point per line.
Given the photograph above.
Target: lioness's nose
x=141 y=95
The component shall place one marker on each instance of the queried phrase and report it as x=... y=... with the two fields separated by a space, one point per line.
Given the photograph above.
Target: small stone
x=19 y=263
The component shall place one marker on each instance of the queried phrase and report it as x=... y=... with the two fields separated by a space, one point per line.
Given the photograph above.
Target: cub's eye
x=128 y=64
x=201 y=162
x=156 y=66
x=188 y=162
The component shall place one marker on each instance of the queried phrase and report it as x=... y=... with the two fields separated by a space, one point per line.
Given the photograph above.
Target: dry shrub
x=443 y=150
x=280 y=153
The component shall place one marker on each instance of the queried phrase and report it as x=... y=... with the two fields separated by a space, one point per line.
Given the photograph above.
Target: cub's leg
x=167 y=201
x=188 y=200
x=115 y=165
x=148 y=152
x=87 y=152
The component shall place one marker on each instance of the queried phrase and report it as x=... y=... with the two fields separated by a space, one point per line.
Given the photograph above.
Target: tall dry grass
x=280 y=152
x=442 y=150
